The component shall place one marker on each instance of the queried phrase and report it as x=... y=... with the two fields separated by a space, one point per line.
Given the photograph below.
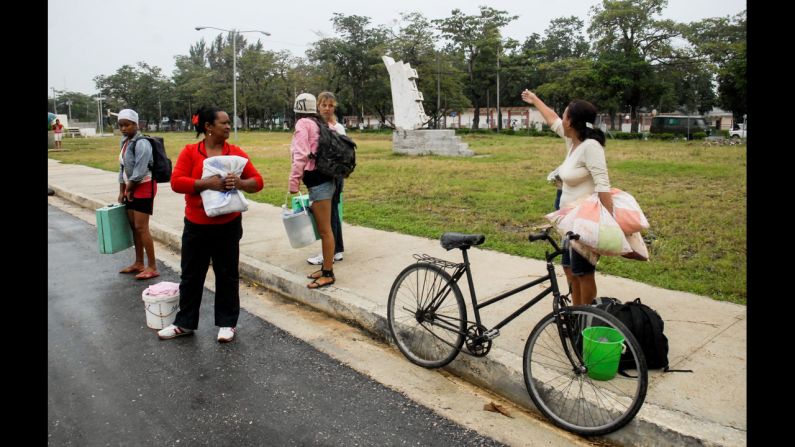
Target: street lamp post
x=234 y=63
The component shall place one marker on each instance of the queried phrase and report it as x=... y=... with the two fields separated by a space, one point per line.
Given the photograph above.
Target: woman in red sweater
x=204 y=238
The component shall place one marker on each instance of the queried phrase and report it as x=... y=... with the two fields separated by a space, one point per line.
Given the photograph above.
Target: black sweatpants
x=336 y=223
x=200 y=244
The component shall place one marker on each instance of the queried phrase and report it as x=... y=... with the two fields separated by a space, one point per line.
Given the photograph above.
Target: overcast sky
x=96 y=37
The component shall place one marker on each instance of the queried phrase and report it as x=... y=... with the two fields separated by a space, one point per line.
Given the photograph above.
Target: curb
x=652 y=426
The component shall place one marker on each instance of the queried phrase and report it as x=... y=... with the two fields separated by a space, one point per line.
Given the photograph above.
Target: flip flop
x=131 y=269
x=147 y=274
x=317 y=285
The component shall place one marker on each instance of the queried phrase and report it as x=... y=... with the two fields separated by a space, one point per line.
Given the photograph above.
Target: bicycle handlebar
x=545 y=236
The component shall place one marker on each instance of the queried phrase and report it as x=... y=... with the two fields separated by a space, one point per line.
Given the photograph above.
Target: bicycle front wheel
x=426 y=315
x=594 y=393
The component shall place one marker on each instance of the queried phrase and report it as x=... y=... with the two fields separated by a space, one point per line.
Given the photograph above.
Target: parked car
x=679 y=125
x=739 y=131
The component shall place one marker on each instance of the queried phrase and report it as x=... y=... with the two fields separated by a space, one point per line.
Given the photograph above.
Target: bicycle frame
x=465 y=269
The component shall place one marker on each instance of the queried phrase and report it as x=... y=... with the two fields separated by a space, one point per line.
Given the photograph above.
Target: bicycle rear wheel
x=580 y=396
x=426 y=315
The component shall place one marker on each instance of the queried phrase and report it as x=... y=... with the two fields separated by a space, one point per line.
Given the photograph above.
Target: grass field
x=693 y=196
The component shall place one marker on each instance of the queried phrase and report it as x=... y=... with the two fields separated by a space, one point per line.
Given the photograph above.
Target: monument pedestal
x=429 y=142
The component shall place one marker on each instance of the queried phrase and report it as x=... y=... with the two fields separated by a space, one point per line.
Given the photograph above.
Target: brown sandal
x=323 y=274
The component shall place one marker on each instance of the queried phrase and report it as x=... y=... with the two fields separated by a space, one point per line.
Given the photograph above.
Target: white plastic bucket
x=160 y=310
x=299 y=227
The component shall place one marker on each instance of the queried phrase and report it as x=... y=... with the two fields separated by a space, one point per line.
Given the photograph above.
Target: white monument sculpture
x=410 y=137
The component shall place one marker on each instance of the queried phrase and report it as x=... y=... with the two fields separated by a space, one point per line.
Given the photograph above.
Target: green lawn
x=693 y=196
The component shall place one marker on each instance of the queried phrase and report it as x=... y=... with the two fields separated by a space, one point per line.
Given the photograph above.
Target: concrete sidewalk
x=707 y=407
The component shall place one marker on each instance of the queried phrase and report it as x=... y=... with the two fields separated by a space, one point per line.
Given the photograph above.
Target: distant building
x=719 y=119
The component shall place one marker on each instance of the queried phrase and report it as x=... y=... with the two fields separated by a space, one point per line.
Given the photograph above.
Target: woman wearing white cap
x=137 y=191
x=321 y=187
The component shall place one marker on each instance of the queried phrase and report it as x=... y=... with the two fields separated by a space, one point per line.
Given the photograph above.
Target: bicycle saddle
x=460 y=240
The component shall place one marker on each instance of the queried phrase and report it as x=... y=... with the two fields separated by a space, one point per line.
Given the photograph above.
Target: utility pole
x=438 y=90
x=499 y=112
x=488 y=110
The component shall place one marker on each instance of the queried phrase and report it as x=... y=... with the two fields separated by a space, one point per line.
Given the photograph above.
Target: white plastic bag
x=298 y=225
x=217 y=203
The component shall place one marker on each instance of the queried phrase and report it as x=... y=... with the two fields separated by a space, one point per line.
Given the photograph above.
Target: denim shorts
x=323 y=191
x=578 y=264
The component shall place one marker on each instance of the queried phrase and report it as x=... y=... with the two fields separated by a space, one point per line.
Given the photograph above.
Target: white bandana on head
x=129 y=114
x=587 y=124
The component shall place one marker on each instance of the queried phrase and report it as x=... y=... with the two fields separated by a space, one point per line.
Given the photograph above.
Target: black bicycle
x=583 y=368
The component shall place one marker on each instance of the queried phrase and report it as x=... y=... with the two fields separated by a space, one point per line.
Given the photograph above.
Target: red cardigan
x=188 y=169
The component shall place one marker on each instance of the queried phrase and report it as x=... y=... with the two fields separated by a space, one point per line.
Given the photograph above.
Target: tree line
x=626 y=60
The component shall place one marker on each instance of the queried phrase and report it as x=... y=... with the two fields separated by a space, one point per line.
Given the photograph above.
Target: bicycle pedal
x=491 y=334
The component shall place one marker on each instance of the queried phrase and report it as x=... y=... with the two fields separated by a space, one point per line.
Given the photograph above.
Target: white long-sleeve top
x=584 y=171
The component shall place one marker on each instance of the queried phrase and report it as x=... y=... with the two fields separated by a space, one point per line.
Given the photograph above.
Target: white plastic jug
x=298 y=226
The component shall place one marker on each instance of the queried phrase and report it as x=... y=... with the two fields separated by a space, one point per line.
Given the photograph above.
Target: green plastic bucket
x=601 y=350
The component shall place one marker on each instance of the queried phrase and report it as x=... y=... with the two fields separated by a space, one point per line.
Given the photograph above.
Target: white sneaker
x=318 y=260
x=172 y=331
x=226 y=334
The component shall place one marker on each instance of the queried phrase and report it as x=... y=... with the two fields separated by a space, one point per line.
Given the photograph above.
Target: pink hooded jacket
x=304 y=143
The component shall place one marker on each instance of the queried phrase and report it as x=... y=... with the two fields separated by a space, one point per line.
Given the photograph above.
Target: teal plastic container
x=113 y=229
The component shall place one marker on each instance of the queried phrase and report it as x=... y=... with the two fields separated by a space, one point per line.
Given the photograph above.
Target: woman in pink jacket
x=321 y=187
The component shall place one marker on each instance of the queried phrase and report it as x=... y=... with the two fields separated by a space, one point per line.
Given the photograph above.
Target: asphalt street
x=111 y=381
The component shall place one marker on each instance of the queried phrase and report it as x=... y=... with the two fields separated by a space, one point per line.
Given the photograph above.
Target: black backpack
x=336 y=154
x=161 y=165
x=647 y=327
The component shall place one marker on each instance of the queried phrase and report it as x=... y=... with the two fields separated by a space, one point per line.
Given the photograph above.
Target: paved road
x=112 y=381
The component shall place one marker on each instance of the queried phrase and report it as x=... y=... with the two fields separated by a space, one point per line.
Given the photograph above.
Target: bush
x=698 y=135
x=662 y=136
x=541 y=133
x=383 y=130
x=627 y=135
x=467 y=131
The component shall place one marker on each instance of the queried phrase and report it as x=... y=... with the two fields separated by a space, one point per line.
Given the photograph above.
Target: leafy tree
x=721 y=44
x=628 y=39
x=190 y=78
x=140 y=88
x=475 y=39
x=439 y=81
x=83 y=107
x=564 y=39
x=351 y=64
